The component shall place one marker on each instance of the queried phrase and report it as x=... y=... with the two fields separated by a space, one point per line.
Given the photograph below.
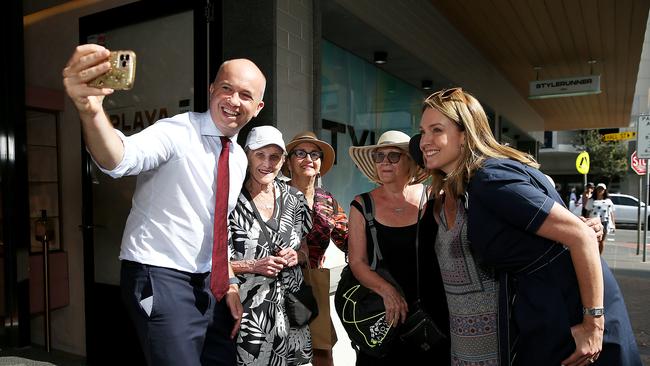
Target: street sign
x=638 y=165
x=643 y=137
x=582 y=163
x=628 y=135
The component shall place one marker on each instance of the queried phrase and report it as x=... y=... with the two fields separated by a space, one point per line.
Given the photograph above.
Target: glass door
x=171 y=49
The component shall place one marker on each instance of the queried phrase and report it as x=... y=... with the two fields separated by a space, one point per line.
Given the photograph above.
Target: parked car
x=626 y=209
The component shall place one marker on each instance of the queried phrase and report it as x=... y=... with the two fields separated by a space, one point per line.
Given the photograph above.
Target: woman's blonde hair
x=468 y=114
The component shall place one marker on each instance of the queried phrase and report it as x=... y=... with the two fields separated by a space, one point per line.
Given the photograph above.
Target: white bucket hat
x=361 y=155
x=261 y=136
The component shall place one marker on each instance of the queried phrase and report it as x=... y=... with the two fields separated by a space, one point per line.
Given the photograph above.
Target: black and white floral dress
x=265 y=337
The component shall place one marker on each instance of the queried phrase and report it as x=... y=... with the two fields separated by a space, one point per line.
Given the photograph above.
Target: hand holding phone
x=121 y=75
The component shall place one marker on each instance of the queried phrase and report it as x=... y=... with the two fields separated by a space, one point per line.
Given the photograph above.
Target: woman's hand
x=269 y=266
x=289 y=255
x=396 y=307
x=596 y=225
x=588 y=337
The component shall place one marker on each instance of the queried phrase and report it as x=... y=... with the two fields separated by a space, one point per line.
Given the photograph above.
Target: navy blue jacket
x=507 y=203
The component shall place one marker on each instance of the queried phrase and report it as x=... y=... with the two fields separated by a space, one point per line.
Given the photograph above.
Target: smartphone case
x=121 y=75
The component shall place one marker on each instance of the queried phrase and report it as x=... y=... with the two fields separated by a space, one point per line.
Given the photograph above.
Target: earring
x=318 y=182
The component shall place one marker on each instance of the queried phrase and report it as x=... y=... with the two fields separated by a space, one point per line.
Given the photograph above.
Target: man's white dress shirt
x=171 y=219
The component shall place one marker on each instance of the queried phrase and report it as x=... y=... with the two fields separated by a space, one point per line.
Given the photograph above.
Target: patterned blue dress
x=472 y=295
x=265 y=337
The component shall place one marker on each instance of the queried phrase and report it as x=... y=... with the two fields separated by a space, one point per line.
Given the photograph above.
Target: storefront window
x=360 y=101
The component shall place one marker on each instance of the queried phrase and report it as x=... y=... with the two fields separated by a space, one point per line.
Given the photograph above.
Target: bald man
x=166 y=250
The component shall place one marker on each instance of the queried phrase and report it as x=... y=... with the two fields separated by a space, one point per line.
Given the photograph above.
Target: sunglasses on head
x=446 y=93
x=301 y=154
x=452 y=95
x=393 y=156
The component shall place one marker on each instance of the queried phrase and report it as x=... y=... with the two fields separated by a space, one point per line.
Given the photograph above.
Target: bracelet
x=595 y=312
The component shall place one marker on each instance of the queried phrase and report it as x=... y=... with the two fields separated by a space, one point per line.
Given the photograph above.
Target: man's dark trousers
x=176 y=316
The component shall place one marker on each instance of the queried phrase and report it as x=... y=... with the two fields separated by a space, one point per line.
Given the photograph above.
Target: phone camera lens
x=121 y=57
x=124 y=63
x=126 y=57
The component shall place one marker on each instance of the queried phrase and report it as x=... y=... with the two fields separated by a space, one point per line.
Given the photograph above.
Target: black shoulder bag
x=419 y=329
x=301 y=306
x=360 y=309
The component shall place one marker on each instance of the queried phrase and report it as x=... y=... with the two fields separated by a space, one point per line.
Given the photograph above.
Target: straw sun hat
x=328 y=151
x=361 y=155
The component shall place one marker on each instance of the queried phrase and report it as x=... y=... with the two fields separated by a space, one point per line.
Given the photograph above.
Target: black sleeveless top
x=397 y=245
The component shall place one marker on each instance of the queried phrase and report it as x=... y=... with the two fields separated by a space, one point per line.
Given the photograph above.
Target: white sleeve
x=150 y=148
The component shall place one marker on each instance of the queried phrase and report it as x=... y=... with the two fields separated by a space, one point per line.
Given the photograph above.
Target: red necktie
x=219 y=277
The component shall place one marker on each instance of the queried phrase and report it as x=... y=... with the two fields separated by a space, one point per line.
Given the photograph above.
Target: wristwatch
x=595 y=312
x=234 y=281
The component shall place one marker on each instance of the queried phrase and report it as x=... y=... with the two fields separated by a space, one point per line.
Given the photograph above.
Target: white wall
x=48 y=45
x=294 y=67
x=641 y=103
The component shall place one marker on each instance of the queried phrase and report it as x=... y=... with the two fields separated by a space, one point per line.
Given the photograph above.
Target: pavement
x=632 y=274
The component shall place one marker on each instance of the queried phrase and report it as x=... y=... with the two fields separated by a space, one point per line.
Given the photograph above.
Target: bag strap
x=258 y=217
x=369 y=214
x=368 y=211
x=423 y=198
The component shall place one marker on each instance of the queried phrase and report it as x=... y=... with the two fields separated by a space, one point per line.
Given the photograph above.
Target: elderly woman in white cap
x=264 y=255
x=308 y=160
x=397 y=201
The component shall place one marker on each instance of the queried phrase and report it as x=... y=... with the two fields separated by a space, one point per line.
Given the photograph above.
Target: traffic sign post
x=582 y=165
x=643 y=136
x=640 y=167
x=643 y=152
x=627 y=135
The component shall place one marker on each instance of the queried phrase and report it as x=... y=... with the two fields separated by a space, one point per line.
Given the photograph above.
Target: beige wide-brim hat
x=361 y=155
x=327 y=161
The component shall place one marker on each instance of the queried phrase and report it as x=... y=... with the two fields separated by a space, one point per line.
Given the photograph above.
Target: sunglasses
x=452 y=95
x=446 y=94
x=393 y=157
x=301 y=154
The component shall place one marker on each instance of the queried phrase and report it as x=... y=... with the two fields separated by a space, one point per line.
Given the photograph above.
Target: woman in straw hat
x=522 y=274
x=268 y=270
x=308 y=160
x=396 y=203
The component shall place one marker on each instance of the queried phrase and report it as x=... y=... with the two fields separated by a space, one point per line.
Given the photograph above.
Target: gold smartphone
x=121 y=75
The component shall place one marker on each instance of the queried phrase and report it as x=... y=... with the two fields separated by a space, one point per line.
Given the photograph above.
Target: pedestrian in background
x=586 y=196
x=603 y=208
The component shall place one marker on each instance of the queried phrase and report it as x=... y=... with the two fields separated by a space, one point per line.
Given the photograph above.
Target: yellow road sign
x=582 y=163
x=628 y=135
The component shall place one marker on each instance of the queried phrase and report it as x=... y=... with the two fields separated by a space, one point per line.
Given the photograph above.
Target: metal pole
x=645 y=214
x=46 y=292
x=42 y=232
x=638 y=220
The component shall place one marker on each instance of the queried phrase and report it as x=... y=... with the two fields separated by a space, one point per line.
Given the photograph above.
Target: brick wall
x=294 y=66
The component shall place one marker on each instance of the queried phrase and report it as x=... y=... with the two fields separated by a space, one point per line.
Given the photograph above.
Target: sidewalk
x=632 y=274
x=633 y=277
